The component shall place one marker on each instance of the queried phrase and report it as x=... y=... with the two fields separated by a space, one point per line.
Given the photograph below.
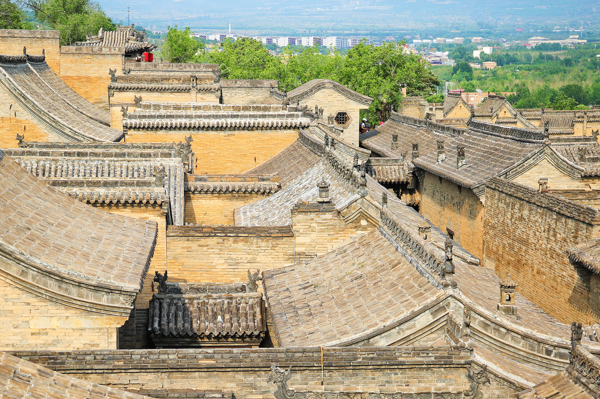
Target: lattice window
x=342 y=118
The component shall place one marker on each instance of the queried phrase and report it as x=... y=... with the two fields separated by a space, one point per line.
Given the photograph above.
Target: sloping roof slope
x=61 y=235
x=288 y=164
x=275 y=210
x=68 y=94
x=315 y=85
x=51 y=103
x=24 y=380
x=560 y=386
x=344 y=293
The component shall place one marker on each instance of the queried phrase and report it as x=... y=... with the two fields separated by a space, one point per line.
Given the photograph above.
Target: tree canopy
x=75 y=19
x=180 y=45
x=11 y=16
x=379 y=72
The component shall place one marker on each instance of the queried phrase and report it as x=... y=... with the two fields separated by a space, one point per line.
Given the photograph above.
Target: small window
x=342 y=118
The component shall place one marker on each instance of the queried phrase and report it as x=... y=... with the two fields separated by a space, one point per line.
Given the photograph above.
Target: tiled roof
x=276 y=209
x=345 y=293
x=560 y=386
x=61 y=235
x=451 y=101
x=390 y=170
x=69 y=95
x=490 y=106
x=315 y=85
x=588 y=254
x=288 y=164
x=26 y=380
x=124 y=36
x=60 y=108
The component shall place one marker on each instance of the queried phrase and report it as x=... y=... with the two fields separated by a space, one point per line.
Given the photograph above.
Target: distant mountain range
x=323 y=16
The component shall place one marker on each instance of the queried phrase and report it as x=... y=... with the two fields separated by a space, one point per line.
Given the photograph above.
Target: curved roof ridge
x=318 y=84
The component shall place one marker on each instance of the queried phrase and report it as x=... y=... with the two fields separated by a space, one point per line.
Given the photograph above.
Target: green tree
x=563 y=102
x=576 y=92
x=468 y=87
x=380 y=72
x=12 y=17
x=75 y=19
x=180 y=45
x=307 y=65
x=245 y=58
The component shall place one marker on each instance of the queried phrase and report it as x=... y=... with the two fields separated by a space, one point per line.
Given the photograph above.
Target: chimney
x=441 y=153
x=576 y=335
x=323 y=191
x=507 y=296
x=394 y=141
x=424 y=229
x=384 y=199
x=543 y=183
x=460 y=160
x=415 y=151
x=448 y=264
x=582 y=152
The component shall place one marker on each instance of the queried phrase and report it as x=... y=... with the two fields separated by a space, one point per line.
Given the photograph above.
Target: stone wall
x=12 y=42
x=85 y=69
x=449 y=206
x=245 y=373
x=224 y=254
x=526 y=234
x=232 y=152
x=30 y=322
x=216 y=208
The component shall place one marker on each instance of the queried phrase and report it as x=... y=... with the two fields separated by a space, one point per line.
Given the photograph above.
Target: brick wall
x=318 y=230
x=12 y=42
x=526 y=234
x=245 y=372
x=578 y=128
x=459 y=112
x=30 y=322
x=557 y=180
x=215 y=208
x=224 y=152
x=333 y=102
x=224 y=254
x=248 y=92
x=449 y=206
x=85 y=69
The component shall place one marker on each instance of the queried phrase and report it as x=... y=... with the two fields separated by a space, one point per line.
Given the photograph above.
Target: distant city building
x=477 y=40
x=573 y=39
x=311 y=41
x=459 y=40
x=489 y=65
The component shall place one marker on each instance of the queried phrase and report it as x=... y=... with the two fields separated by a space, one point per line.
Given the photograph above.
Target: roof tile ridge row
x=215 y=123
x=512 y=133
x=437 y=127
x=563 y=206
x=65 y=100
x=311 y=87
x=233 y=187
x=585 y=368
x=348 y=173
x=311 y=143
x=423 y=255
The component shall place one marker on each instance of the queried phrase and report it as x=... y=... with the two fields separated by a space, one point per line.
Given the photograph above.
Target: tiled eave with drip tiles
x=109 y=175
x=226 y=184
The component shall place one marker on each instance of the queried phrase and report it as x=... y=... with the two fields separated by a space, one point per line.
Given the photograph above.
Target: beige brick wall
x=529 y=242
x=333 y=102
x=224 y=152
x=215 y=208
x=13 y=41
x=317 y=233
x=30 y=322
x=225 y=259
x=557 y=180
x=459 y=112
x=158 y=263
x=86 y=71
x=448 y=205
x=248 y=95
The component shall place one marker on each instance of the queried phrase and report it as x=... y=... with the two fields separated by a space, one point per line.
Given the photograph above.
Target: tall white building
x=332 y=41
x=310 y=41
